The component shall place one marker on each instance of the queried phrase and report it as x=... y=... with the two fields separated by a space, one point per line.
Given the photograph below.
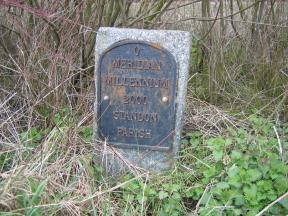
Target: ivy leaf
x=210 y=172
x=194 y=141
x=195 y=193
x=265 y=185
x=150 y=191
x=233 y=171
x=236 y=154
x=254 y=174
x=271 y=195
x=264 y=169
x=222 y=185
x=174 y=187
x=217 y=154
x=235 y=182
x=239 y=200
x=162 y=195
x=250 y=192
x=176 y=196
x=216 y=143
x=281 y=184
x=237 y=211
x=261 y=196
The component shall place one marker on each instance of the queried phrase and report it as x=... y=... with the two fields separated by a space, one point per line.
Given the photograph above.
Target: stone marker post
x=141 y=80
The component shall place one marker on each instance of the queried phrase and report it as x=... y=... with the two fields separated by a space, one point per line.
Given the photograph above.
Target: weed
x=246 y=172
x=28 y=202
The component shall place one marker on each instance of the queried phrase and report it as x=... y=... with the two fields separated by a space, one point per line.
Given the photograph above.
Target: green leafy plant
x=32 y=137
x=29 y=202
x=246 y=172
x=87 y=133
x=160 y=199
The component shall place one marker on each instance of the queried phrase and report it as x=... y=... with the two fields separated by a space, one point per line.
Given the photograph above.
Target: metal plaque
x=136 y=96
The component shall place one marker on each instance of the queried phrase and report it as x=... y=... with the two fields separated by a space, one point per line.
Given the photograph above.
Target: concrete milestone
x=141 y=80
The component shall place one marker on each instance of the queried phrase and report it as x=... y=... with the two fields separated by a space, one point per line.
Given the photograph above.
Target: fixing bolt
x=106 y=97
x=164 y=99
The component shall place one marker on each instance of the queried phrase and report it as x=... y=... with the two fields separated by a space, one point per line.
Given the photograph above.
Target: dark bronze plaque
x=136 y=95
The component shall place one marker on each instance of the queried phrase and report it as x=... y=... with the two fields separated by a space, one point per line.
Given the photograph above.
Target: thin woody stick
x=271 y=204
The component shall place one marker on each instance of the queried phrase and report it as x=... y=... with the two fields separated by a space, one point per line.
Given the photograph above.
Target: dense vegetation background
x=234 y=152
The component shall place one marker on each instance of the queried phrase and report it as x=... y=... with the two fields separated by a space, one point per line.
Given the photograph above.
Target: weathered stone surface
x=178 y=44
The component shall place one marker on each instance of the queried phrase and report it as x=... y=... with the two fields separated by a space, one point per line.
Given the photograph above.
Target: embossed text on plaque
x=136 y=95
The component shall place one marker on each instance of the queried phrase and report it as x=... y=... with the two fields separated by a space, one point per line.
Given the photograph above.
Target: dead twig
x=272 y=203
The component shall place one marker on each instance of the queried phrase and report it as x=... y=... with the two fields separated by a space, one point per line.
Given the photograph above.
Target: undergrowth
x=237 y=173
